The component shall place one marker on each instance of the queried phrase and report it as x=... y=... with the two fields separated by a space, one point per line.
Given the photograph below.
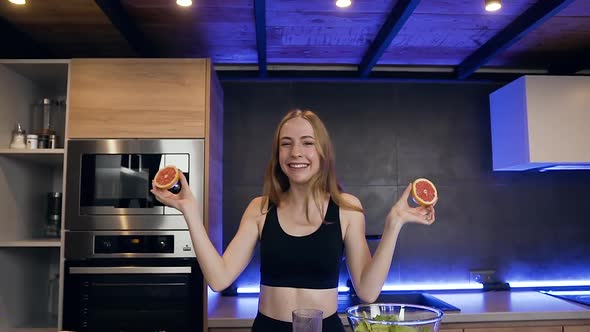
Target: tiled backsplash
x=526 y=225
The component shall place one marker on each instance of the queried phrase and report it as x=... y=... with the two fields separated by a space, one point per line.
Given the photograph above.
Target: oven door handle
x=131 y=270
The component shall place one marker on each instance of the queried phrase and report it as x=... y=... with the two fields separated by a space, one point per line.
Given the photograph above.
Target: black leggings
x=264 y=323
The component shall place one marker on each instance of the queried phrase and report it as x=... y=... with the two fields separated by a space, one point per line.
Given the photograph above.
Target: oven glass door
x=119 y=184
x=133 y=298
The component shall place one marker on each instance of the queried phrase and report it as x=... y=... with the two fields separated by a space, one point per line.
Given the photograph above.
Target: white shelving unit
x=52 y=157
x=25 y=153
x=41 y=329
x=28 y=259
x=29 y=329
x=33 y=243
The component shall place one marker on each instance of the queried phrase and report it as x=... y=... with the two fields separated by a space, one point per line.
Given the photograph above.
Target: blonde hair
x=277 y=183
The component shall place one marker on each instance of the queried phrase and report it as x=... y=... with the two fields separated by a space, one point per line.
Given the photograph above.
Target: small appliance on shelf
x=53 y=226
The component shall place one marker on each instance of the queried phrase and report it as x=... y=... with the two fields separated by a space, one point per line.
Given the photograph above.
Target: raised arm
x=219 y=271
x=368 y=273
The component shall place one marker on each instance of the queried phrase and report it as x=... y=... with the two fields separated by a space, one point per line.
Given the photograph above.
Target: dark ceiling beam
x=526 y=22
x=571 y=63
x=352 y=76
x=395 y=21
x=126 y=25
x=18 y=44
x=260 y=21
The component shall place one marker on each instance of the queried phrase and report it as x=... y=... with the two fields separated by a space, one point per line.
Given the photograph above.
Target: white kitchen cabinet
x=29 y=261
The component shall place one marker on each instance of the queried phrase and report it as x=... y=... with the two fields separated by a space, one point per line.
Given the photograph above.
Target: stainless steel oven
x=108 y=182
x=132 y=281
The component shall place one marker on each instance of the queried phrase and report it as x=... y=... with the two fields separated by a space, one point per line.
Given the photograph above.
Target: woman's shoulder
x=255 y=211
x=348 y=202
x=257 y=206
x=350 y=199
x=351 y=211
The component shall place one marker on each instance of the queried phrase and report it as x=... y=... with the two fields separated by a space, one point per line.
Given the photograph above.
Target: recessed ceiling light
x=184 y=3
x=343 y=3
x=18 y=2
x=493 y=5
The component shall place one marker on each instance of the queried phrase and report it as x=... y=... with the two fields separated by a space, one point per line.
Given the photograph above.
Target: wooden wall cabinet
x=139 y=98
x=346 y=328
x=157 y=99
x=520 y=326
x=505 y=329
x=516 y=326
x=579 y=328
x=517 y=329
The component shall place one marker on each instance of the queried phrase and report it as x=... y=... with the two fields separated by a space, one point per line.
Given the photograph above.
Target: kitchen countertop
x=503 y=306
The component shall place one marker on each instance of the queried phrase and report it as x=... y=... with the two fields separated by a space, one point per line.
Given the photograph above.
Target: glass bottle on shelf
x=46 y=113
x=19 y=140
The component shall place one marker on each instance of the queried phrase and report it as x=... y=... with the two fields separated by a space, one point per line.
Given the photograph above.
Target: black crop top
x=310 y=261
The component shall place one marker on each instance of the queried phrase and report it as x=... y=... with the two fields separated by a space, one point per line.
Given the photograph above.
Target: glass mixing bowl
x=393 y=317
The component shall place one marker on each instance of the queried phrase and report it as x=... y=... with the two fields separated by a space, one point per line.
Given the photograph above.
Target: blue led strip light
x=457 y=286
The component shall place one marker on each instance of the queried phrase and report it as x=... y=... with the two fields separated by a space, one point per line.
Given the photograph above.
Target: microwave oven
x=108 y=182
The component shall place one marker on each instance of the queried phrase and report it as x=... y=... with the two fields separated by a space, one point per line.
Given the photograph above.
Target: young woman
x=304 y=223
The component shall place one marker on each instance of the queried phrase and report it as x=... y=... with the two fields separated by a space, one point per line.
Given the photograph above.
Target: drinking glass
x=307 y=320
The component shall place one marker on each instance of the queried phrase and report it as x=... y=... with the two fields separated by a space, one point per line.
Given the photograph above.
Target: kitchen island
x=520 y=311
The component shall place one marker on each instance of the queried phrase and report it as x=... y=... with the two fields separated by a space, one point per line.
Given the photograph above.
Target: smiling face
x=298 y=156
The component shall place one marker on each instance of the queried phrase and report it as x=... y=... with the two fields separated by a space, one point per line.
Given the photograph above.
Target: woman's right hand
x=184 y=201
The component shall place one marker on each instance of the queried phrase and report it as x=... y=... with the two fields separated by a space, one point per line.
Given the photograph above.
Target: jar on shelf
x=32 y=141
x=52 y=229
x=53 y=141
x=43 y=141
x=44 y=117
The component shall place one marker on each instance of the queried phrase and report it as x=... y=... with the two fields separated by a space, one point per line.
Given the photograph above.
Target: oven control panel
x=128 y=244
x=133 y=244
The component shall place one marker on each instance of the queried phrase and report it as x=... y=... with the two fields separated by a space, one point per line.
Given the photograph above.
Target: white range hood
x=541 y=122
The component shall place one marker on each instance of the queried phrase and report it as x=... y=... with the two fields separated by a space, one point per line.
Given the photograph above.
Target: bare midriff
x=279 y=302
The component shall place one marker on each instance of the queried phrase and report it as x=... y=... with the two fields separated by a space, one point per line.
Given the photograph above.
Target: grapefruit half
x=424 y=192
x=167 y=177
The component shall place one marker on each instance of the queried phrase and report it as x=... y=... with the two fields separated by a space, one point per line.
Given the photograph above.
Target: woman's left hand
x=402 y=212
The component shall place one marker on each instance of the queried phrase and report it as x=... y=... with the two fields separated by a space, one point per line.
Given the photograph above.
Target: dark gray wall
x=526 y=225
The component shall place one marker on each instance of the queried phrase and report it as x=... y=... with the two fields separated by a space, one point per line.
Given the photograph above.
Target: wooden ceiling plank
x=260 y=20
x=536 y=15
x=21 y=44
x=398 y=16
x=126 y=25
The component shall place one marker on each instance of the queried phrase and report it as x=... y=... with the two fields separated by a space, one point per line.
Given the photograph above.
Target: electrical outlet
x=482 y=276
